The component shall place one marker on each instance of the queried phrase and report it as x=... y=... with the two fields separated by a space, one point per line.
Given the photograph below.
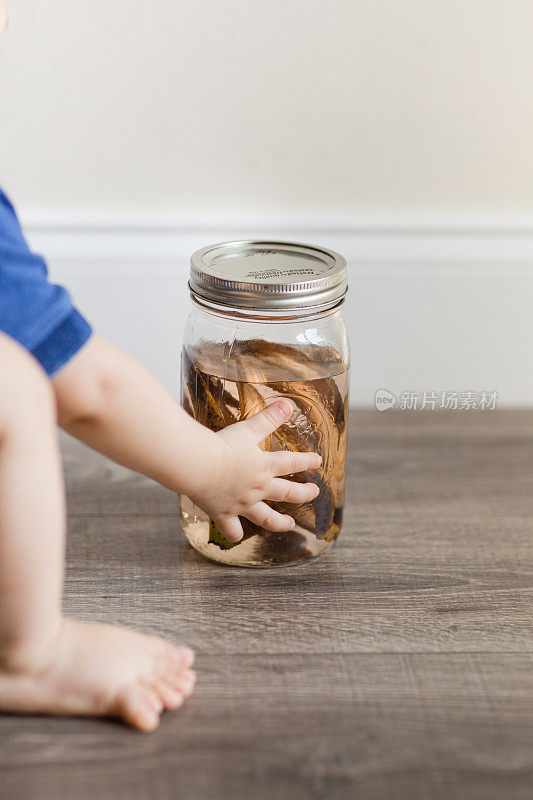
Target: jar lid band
x=266 y=275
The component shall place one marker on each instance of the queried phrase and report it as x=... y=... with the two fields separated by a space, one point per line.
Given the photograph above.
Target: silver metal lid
x=277 y=276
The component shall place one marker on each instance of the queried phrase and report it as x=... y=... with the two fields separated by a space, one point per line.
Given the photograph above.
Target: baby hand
x=245 y=476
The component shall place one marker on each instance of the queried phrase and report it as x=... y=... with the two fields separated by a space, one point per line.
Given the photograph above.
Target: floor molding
x=81 y=241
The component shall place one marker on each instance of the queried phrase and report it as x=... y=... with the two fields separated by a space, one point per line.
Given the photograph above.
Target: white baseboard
x=479 y=243
x=435 y=303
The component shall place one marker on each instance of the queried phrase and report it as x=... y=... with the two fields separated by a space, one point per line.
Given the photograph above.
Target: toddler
x=53 y=368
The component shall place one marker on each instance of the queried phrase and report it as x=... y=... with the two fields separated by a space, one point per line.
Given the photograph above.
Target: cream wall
x=330 y=107
x=399 y=132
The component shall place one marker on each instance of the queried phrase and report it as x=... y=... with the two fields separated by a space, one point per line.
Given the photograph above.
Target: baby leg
x=49 y=664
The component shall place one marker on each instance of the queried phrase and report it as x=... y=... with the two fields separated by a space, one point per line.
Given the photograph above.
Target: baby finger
x=264 y=516
x=230 y=528
x=291 y=492
x=286 y=462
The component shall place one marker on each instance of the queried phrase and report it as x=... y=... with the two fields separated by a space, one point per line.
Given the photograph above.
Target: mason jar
x=266 y=323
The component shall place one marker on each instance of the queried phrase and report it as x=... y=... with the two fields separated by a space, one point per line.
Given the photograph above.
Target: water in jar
x=219 y=388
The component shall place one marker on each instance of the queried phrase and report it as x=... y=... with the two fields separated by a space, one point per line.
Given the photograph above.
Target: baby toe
x=170 y=663
x=154 y=700
x=183 y=681
x=170 y=695
x=181 y=654
x=188 y=683
x=140 y=707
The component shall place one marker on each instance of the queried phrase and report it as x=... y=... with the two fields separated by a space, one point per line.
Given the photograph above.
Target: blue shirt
x=36 y=313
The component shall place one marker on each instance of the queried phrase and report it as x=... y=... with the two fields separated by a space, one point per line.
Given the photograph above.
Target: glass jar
x=266 y=323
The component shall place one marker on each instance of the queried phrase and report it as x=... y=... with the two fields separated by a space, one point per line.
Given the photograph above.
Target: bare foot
x=104 y=670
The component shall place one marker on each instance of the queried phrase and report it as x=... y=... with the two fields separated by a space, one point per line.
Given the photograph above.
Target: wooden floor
x=398 y=665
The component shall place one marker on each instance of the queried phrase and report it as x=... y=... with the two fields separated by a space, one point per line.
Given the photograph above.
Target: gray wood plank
x=436 y=726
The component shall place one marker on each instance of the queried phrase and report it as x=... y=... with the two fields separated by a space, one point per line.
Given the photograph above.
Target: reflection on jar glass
x=266 y=323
